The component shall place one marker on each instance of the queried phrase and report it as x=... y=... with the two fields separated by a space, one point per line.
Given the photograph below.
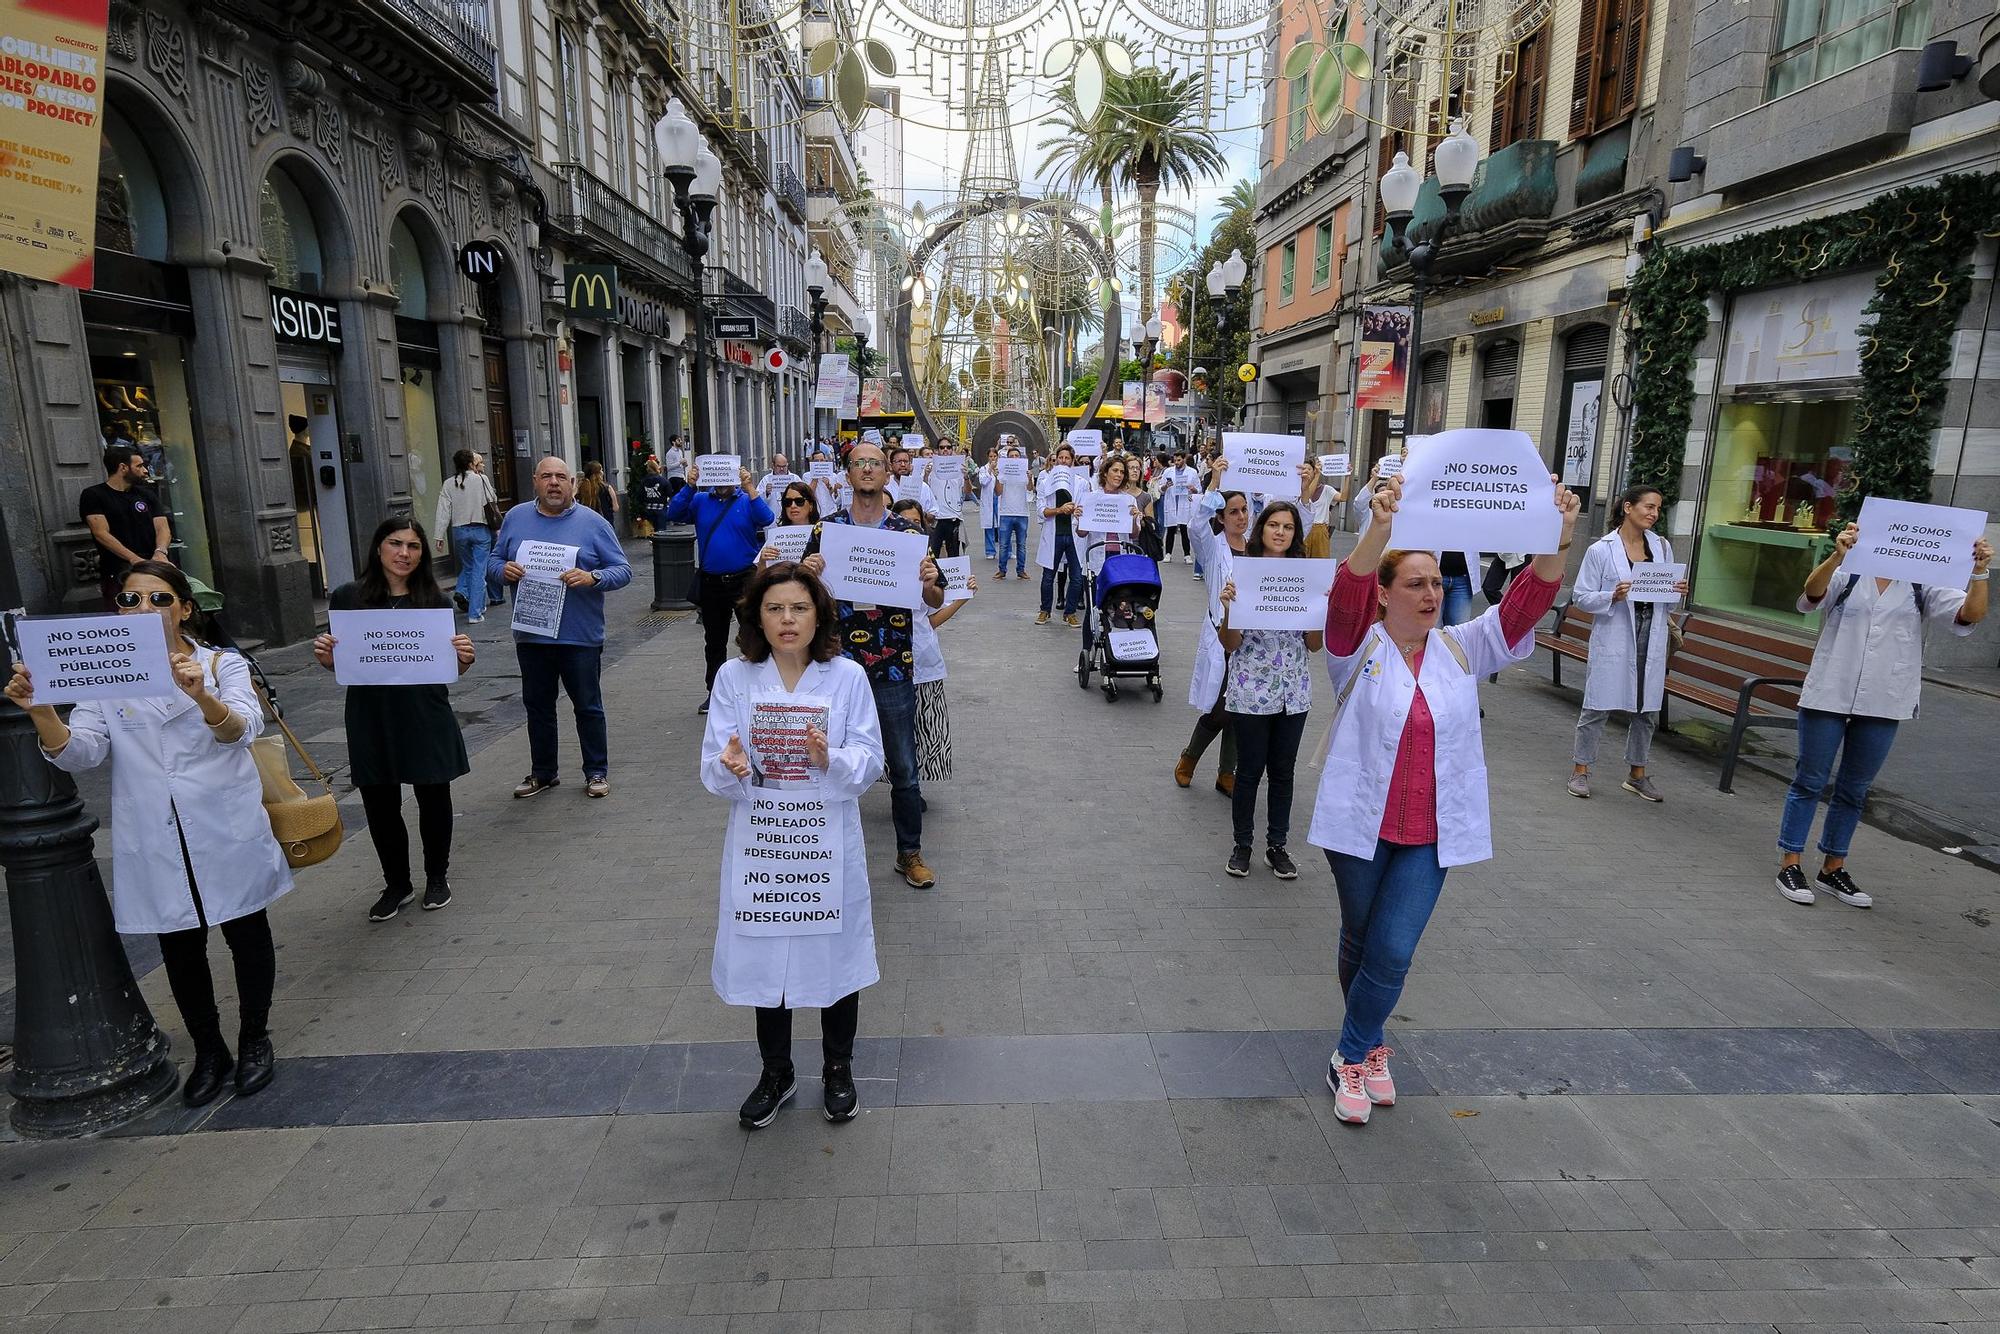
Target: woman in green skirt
x=402 y=734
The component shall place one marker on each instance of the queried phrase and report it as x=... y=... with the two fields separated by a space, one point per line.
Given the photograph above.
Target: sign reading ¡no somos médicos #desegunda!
x=393 y=648
x=71 y=659
x=1266 y=465
x=1925 y=544
x=788 y=874
x=1279 y=592
x=1477 y=489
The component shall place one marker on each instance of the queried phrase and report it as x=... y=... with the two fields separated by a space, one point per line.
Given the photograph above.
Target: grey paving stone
x=363 y=1170
x=964 y=1148
x=1765 y=1060
x=1241 y=1141
x=647 y=1159
x=1109 y=1145
x=1960 y=1060
x=1222 y=1065
x=1540 y=1138
x=499 y=1164
x=1543 y=1061
x=1097 y=1068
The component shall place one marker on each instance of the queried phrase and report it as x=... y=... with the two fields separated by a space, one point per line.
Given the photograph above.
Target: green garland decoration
x=1921 y=237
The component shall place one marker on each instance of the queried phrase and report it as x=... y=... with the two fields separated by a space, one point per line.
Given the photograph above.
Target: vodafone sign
x=775 y=360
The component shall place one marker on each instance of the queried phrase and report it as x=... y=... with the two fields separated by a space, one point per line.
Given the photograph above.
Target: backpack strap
x=1917 y=591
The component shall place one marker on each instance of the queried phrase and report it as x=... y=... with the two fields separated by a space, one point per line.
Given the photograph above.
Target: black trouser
x=717 y=595
x=837 y=1023
x=1267 y=747
x=944 y=537
x=1187 y=548
x=185 y=956
x=384 y=804
x=1214 y=723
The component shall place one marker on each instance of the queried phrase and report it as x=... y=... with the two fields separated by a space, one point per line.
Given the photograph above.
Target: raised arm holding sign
x=1477 y=490
x=76 y=658
x=718 y=470
x=1280 y=593
x=873 y=565
x=1924 y=544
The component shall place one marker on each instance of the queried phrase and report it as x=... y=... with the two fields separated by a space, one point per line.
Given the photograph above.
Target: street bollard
x=673 y=567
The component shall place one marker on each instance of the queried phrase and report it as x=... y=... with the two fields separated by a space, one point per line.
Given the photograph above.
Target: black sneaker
x=703 y=707
x=458 y=601
x=842 y=1102
x=437 y=893
x=773 y=1091
x=390 y=903
x=1238 y=864
x=1281 y=864
x=255 y=1064
x=1841 y=885
x=1792 y=884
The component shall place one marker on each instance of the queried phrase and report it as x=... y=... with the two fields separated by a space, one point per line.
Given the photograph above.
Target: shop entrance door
x=319 y=483
x=499 y=423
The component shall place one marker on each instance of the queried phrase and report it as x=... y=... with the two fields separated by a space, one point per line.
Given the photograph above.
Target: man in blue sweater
x=575 y=656
x=729 y=524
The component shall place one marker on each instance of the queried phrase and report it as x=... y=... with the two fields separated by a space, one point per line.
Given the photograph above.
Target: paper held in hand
x=956 y=571
x=1280 y=593
x=819 y=468
x=787 y=872
x=777 y=742
x=873 y=565
x=1334 y=465
x=1477 y=489
x=393 y=648
x=790 y=541
x=1654 y=580
x=546 y=560
x=718 y=470
x=947 y=479
x=539 y=597
x=1106 y=514
x=1085 y=442
x=1014 y=472
x=71 y=659
x=1265 y=465
x=1389 y=465
x=1924 y=544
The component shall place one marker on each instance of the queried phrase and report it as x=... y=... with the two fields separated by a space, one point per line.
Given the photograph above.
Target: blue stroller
x=1125 y=595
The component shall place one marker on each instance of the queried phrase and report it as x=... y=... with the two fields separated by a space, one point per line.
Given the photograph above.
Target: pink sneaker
x=1350 y=1098
x=1375 y=1078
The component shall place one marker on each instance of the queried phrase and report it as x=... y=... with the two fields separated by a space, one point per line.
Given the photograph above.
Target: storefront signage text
x=741 y=354
x=300 y=317
x=1493 y=315
x=644 y=315
x=742 y=327
x=591 y=290
x=481 y=259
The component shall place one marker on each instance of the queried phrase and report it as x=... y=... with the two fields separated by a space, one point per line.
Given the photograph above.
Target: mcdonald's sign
x=591 y=290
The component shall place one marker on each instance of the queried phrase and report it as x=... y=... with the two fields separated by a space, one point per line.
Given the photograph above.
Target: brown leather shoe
x=1184 y=770
x=910 y=865
x=1226 y=784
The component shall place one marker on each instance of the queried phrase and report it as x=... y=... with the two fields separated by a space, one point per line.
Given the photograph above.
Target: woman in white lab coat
x=1177 y=486
x=1402 y=792
x=1221 y=526
x=191 y=846
x=1628 y=640
x=791 y=651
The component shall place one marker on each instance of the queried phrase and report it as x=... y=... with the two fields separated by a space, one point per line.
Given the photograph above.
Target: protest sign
x=71 y=659
x=947 y=479
x=790 y=541
x=1133 y=645
x=1389 y=465
x=1104 y=513
x=1086 y=442
x=393 y=648
x=1654 y=580
x=819 y=468
x=1334 y=465
x=1265 y=465
x=874 y=566
x=718 y=470
x=1925 y=544
x=832 y=384
x=1477 y=489
x=546 y=560
x=1014 y=471
x=956 y=571
x=1280 y=593
x=538 y=606
x=786 y=871
x=777 y=740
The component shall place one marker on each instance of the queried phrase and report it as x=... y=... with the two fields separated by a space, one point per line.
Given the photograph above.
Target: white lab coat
x=1869 y=661
x=1613 y=637
x=1210 y=662
x=165 y=761
x=1045 y=497
x=798 y=970
x=1178 y=490
x=1368 y=732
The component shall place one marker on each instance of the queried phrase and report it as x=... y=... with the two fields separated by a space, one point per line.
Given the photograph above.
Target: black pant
x=944 y=537
x=384 y=804
x=1266 y=743
x=717 y=595
x=1181 y=530
x=837 y=1023
x=185 y=956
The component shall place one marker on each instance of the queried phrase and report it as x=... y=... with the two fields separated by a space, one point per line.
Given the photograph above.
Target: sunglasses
x=796 y=500
x=157 y=598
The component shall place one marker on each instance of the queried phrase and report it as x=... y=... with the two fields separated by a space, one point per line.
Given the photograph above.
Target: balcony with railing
x=794 y=326
x=791 y=191
x=1508 y=210
x=740 y=296
x=441 y=51
x=590 y=209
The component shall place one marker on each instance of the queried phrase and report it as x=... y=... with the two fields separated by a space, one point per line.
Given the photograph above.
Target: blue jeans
x=991 y=534
x=1014 y=539
x=469 y=544
x=579 y=668
x=1457 y=609
x=1073 y=595
x=1863 y=744
x=896 y=711
x=1267 y=746
x=1385 y=903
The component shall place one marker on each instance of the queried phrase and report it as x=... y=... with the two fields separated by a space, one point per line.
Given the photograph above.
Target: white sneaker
x=476 y=620
x=1350 y=1095
x=1187 y=558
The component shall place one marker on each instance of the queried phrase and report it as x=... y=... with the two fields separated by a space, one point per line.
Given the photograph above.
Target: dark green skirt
x=403 y=734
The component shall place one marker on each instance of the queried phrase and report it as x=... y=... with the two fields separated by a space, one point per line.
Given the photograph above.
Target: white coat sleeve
x=234 y=687
x=722 y=723
x=1595 y=582
x=1941 y=608
x=89 y=740
x=853 y=766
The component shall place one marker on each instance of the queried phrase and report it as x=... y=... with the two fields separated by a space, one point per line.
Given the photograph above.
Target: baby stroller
x=1125 y=595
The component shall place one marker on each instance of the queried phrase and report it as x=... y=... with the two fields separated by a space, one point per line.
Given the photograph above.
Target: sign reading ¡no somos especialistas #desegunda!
x=51 y=120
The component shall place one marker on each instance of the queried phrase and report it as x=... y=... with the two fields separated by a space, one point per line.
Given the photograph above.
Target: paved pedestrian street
x=1640 y=1089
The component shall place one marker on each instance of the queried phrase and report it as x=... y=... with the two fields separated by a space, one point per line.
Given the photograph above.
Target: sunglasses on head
x=159 y=597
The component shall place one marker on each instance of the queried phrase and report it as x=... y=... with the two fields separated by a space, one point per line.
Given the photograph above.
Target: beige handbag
x=306 y=827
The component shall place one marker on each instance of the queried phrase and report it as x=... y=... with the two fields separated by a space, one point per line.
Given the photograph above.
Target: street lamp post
x=860 y=353
x=1457 y=158
x=1145 y=341
x=816 y=280
x=1225 y=278
x=695 y=173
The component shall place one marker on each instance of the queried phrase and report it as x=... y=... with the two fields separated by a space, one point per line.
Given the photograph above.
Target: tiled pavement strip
x=1643 y=1090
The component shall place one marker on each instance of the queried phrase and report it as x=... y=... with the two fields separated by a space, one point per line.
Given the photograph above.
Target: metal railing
x=790 y=189
x=794 y=324
x=590 y=205
x=745 y=298
x=462 y=27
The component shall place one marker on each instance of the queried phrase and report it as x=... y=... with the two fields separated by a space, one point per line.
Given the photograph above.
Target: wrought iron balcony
x=794 y=326
x=590 y=209
x=1513 y=197
x=440 y=51
x=740 y=296
x=791 y=191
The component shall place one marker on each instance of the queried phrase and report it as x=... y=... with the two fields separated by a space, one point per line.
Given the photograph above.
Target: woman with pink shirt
x=1402 y=795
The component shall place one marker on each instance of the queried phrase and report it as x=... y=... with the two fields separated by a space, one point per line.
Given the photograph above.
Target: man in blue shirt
x=575 y=655
x=729 y=523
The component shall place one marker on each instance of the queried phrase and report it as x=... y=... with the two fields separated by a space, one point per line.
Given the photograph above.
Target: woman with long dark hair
x=191 y=846
x=402 y=734
x=1267 y=692
x=461 y=514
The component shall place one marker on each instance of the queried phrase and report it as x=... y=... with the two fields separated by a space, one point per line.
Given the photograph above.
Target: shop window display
x=142 y=400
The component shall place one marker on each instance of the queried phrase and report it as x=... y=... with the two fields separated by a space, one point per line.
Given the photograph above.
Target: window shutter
x=1503 y=101
x=1588 y=348
x=1632 y=57
x=1531 y=78
x=1589 y=37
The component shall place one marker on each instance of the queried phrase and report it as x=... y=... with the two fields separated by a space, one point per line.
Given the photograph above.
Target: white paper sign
x=1106 y=513
x=393 y=648
x=777 y=742
x=1654 y=580
x=1477 y=489
x=1335 y=465
x=718 y=470
x=538 y=606
x=545 y=560
x=1390 y=465
x=1133 y=645
x=873 y=565
x=1265 y=465
x=819 y=468
x=832 y=380
x=1014 y=472
x=787 y=872
x=956 y=571
x=76 y=658
x=1902 y=539
x=1086 y=442
x=790 y=541
x=1280 y=593
x=947 y=479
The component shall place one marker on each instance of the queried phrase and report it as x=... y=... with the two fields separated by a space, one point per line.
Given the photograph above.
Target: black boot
x=773 y=1091
x=842 y=1102
x=206 y=1076
x=255 y=1064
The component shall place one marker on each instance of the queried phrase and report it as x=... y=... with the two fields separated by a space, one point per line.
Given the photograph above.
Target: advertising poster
x=1580 y=442
x=1131 y=403
x=1385 y=358
x=51 y=120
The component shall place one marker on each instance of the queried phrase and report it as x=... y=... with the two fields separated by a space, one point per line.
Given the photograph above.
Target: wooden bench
x=1749 y=675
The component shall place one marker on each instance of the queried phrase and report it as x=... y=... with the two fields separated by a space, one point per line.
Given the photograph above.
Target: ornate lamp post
x=696 y=176
x=1457 y=158
x=1145 y=341
x=1225 y=278
x=816 y=280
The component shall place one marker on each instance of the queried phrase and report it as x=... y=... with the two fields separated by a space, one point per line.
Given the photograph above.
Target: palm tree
x=1156 y=136
x=1242 y=197
x=1076 y=157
